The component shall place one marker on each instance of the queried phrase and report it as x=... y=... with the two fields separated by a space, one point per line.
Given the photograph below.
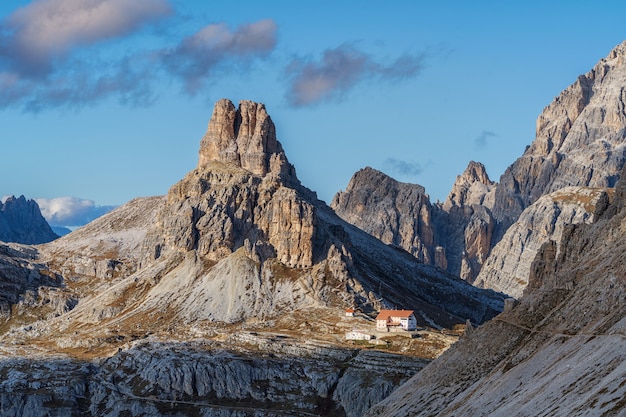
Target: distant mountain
x=455 y=236
x=21 y=222
x=558 y=351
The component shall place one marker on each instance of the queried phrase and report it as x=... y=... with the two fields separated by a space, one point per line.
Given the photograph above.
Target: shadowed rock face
x=455 y=236
x=396 y=213
x=21 y=222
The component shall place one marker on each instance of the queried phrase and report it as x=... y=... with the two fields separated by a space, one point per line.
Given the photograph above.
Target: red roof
x=349 y=310
x=386 y=314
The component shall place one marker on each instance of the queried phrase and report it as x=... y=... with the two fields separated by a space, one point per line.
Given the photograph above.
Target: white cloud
x=43 y=30
x=70 y=211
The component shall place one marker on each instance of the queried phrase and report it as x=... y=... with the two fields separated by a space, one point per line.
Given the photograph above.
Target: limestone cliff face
x=473 y=187
x=466 y=223
x=508 y=268
x=244 y=137
x=579 y=141
x=21 y=222
x=455 y=236
x=557 y=351
x=396 y=213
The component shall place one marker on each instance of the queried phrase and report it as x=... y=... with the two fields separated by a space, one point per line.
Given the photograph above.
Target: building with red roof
x=391 y=320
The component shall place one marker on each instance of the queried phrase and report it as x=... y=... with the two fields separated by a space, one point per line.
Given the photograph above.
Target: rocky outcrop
x=21 y=222
x=579 y=142
x=465 y=222
x=165 y=378
x=473 y=187
x=557 y=351
x=28 y=288
x=508 y=268
x=243 y=137
x=397 y=213
x=455 y=236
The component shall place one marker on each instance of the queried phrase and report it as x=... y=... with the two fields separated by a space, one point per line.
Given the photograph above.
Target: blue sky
x=102 y=101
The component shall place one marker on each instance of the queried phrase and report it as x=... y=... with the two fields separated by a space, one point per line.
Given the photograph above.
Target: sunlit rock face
x=244 y=137
x=580 y=140
x=508 y=267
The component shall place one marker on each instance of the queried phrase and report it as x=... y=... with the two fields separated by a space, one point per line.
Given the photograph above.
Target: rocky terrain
x=455 y=236
x=508 y=267
x=558 y=351
x=397 y=213
x=227 y=296
x=579 y=142
x=21 y=222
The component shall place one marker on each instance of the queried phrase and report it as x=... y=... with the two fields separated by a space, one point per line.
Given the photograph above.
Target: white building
x=358 y=335
x=392 y=320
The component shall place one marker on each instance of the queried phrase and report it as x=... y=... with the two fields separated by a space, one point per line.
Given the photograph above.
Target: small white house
x=358 y=335
x=349 y=312
x=392 y=320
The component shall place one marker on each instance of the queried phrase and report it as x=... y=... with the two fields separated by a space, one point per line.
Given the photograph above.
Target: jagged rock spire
x=471 y=187
x=243 y=137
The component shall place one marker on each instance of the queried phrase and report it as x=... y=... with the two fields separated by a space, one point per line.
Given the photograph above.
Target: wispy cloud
x=70 y=211
x=216 y=48
x=53 y=54
x=401 y=167
x=36 y=35
x=339 y=70
x=40 y=44
x=480 y=141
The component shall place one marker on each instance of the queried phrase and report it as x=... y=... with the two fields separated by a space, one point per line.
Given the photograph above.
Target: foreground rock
x=165 y=379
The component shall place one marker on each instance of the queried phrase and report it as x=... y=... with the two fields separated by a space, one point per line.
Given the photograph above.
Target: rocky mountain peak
x=244 y=137
x=21 y=221
x=397 y=213
x=471 y=187
x=579 y=140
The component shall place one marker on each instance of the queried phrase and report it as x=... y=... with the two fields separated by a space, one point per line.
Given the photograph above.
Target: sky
x=103 y=101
